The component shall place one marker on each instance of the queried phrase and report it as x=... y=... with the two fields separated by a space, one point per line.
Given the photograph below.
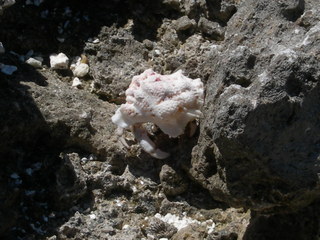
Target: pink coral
x=168 y=101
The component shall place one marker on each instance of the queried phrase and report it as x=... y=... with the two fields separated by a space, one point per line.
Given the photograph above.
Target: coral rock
x=59 y=61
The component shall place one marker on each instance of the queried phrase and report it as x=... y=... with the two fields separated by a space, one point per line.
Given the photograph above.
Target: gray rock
x=185 y=23
x=191 y=232
x=79 y=122
x=257 y=146
x=172 y=182
x=221 y=11
x=260 y=137
x=211 y=30
x=111 y=78
x=192 y=8
x=70 y=181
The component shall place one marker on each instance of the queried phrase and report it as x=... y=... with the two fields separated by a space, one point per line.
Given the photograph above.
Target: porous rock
x=71 y=180
x=210 y=29
x=172 y=182
x=184 y=23
x=259 y=140
x=257 y=143
x=191 y=232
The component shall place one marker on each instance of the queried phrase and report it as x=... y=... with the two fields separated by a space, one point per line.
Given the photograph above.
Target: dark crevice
x=293 y=13
x=293 y=86
x=210 y=165
x=243 y=82
x=219 y=14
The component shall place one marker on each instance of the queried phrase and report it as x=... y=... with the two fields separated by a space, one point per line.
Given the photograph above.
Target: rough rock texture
x=260 y=138
x=65 y=175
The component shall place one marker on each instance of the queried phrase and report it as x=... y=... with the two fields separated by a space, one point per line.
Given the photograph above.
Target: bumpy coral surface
x=169 y=101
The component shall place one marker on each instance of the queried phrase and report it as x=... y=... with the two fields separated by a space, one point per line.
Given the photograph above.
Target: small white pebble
x=59 y=61
x=34 y=62
x=119 y=203
x=86 y=115
x=163 y=239
x=126 y=226
x=296 y=31
x=76 y=83
x=92 y=86
x=14 y=176
x=80 y=70
x=211 y=228
x=30 y=192
x=157 y=52
x=45 y=218
x=161 y=195
x=61 y=40
x=8 y=69
x=96 y=40
x=134 y=189
x=29 y=171
x=92 y=216
x=177 y=221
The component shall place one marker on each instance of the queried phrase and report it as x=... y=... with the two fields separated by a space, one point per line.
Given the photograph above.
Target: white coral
x=59 y=61
x=169 y=101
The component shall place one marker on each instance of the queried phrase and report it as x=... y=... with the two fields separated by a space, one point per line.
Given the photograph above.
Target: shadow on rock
x=60 y=26
x=33 y=198
x=283 y=134
x=300 y=225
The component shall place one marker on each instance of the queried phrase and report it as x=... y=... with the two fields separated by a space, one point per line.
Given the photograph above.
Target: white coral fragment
x=34 y=62
x=76 y=83
x=168 y=101
x=79 y=68
x=60 y=61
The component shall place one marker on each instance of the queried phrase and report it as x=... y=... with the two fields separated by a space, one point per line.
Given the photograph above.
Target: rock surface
x=260 y=137
x=250 y=171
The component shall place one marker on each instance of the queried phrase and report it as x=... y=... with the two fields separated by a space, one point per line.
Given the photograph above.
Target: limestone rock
x=259 y=139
